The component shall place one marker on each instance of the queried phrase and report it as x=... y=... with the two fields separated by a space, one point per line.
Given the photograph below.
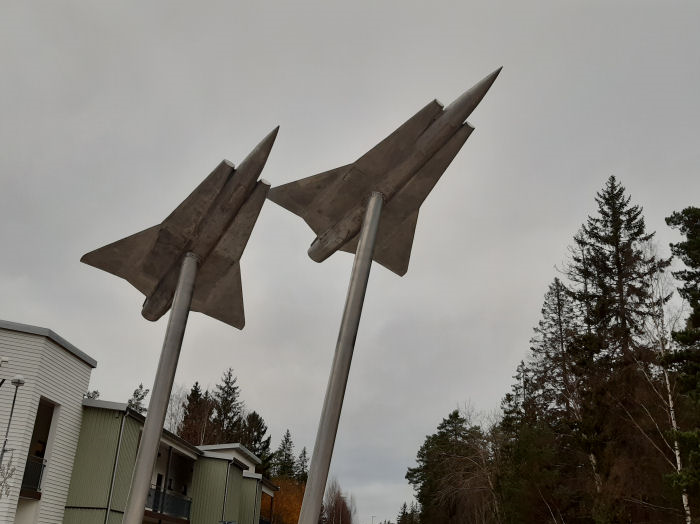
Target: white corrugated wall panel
x=60 y=377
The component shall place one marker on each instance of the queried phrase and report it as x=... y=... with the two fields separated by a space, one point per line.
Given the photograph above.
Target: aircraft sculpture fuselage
x=214 y=223
x=404 y=168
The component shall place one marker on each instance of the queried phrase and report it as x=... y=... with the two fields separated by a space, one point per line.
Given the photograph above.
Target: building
x=45 y=428
x=75 y=456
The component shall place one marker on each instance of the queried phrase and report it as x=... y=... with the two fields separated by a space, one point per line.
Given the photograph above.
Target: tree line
x=602 y=423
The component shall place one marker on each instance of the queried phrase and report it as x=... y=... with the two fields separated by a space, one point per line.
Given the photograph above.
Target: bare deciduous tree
x=176 y=408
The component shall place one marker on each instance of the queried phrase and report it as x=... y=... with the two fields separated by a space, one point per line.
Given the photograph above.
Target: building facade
x=73 y=457
x=45 y=428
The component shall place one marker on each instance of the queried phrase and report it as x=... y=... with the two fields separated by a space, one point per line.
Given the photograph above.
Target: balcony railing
x=172 y=504
x=33 y=473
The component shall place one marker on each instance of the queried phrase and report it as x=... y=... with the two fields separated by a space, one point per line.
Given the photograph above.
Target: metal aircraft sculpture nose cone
x=256 y=159
x=462 y=107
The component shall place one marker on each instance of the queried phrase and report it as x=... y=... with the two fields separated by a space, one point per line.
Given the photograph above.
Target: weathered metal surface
x=214 y=222
x=404 y=167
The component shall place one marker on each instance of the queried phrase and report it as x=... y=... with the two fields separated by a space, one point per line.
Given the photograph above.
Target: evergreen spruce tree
x=402 y=517
x=414 y=513
x=553 y=380
x=688 y=251
x=302 y=466
x=196 y=425
x=583 y=408
x=284 y=462
x=253 y=437
x=228 y=409
x=618 y=269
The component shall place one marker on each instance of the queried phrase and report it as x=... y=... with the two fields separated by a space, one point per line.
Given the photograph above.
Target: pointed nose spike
x=266 y=143
x=261 y=151
x=490 y=79
x=463 y=106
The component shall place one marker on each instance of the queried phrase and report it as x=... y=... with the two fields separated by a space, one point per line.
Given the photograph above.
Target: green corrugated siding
x=92 y=475
x=233 y=499
x=208 y=483
x=90 y=516
x=249 y=501
x=127 y=459
x=84 y=516
x=258 y=501
x=94 y=459
x=115 y=517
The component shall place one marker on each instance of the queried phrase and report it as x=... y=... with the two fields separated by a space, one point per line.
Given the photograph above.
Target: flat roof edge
x=55 y=337
x=104 y=404
x=232 y=445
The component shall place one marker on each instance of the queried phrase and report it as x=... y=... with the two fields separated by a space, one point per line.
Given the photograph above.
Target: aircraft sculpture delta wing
x=214 y=222
x=404 y=168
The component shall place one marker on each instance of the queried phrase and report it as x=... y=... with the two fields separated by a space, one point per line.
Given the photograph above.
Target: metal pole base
x=338 y=379
x=162 y=386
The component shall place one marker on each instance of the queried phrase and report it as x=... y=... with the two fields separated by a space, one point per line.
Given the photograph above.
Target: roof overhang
x=54 y=337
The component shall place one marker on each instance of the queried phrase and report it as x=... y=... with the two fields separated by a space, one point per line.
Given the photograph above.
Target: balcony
x=162 y=502
x=31 y=481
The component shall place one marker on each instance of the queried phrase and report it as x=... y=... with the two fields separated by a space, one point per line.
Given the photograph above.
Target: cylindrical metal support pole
x=338 y=379
x=162 y=386
x=7 y=431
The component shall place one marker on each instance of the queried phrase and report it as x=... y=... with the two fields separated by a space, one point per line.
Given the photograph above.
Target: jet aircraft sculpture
x=343 y=207
x=404 y=168
x=214 y=223
x=189 y=261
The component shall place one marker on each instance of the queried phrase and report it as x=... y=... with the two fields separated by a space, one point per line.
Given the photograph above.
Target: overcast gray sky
x=112 y=112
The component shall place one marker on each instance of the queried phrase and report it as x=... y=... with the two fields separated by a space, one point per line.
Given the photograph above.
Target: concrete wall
x=59 y=376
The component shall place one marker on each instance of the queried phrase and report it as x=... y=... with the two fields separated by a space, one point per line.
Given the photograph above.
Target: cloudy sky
x=112 y=112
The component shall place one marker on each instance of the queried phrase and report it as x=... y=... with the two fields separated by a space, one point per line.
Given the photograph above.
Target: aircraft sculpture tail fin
x=222 y=301
x=222 y=297
x=124 y=258
x=393 y=244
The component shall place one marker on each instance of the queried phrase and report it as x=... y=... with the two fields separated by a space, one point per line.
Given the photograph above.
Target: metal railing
x=160 y=501
x=33 y=473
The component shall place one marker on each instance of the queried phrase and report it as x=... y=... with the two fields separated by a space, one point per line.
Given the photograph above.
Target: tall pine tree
x=618 y=269
x=253 y=436
x=302 y=466
x=284 y=462
x=196 y=425
x=228 y=409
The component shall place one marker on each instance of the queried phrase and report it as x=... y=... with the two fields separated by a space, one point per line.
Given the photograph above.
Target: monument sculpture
x=370 y=208
x=189 y=261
